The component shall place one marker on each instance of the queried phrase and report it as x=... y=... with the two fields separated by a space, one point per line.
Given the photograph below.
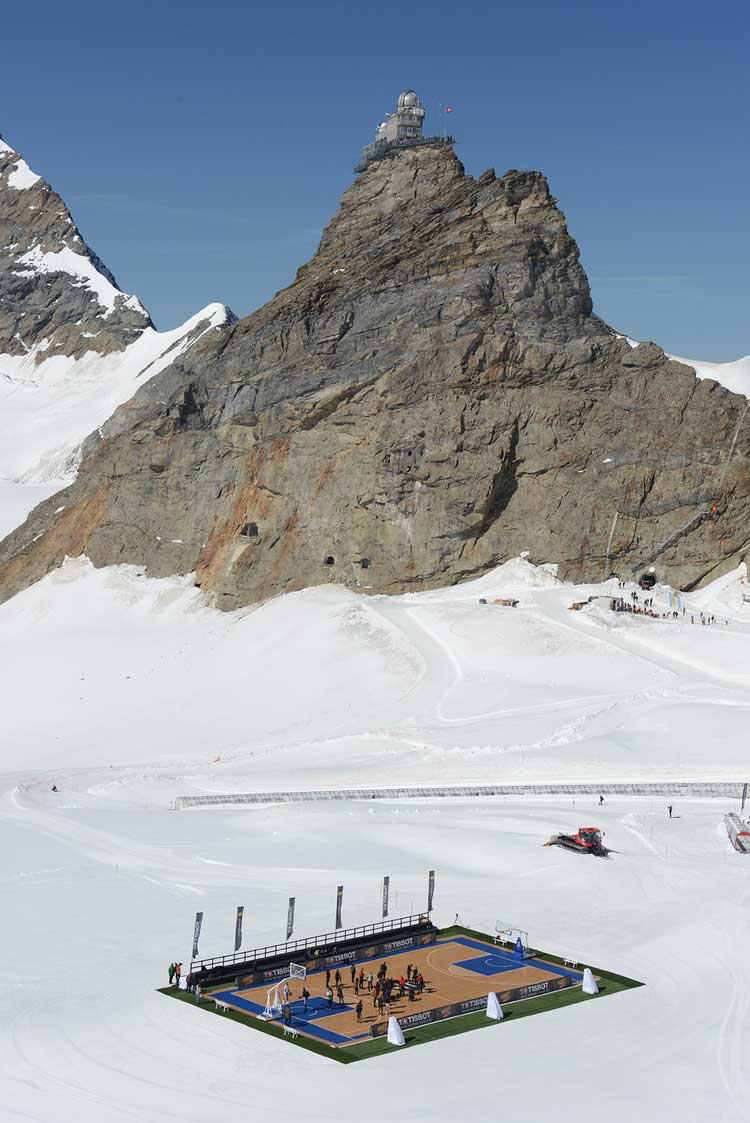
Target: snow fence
x=665 y=790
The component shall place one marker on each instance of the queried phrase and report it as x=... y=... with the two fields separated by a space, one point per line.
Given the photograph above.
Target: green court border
x=609 y=983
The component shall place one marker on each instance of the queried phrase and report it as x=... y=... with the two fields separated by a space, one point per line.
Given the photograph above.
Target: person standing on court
x=198 y=992
x=369 y=981
x=171 y=973
x=177 y=973
x=353 y=970
x=286 y=992
x=358 y=1008
x=328 y=976
x=669 y=809
x=340 y=994
x=305 y=996
x=329 y=998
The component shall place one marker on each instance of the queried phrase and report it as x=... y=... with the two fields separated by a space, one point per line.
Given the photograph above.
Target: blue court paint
x=297 y=1022
x=487 y=965
x=505 y=961
x=317 y=1007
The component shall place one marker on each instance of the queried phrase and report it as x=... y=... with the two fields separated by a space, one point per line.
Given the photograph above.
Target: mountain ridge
x=73 y=346
x=51 y=282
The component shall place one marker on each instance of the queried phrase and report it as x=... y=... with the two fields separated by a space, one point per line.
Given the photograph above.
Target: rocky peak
x=56 y=296
x=429 y=397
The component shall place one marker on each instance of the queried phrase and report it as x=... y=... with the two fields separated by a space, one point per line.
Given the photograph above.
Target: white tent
x=395 y=1032
x=589 y=982
x=494 y=1009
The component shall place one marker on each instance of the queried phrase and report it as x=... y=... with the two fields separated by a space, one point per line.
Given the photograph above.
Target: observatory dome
x=408 y=100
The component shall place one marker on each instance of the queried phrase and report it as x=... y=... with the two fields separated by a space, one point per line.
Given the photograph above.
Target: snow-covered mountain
x=56 y=296
x=73 y=346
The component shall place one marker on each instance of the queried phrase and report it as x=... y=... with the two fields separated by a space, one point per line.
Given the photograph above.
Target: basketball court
x=457 y=969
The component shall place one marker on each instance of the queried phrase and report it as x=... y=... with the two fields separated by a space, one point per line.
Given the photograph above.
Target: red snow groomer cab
x=586 y=840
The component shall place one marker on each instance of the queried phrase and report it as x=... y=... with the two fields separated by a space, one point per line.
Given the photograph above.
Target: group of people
x=646 y=608
x=619 y=604
x=175 y=977
x=386 y=988
x=382 y=988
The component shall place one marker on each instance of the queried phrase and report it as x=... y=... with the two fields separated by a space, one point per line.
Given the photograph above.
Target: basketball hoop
x=273 y=1001
x=506 y=934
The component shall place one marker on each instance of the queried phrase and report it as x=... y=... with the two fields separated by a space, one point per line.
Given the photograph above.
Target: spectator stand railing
x=296 y=948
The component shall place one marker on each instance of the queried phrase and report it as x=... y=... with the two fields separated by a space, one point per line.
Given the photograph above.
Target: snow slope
x=126 y=691
x=16 y=500
x=48 y=409
x=329 y=687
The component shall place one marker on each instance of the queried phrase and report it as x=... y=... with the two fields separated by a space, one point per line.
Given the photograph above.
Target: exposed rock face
x=52 y=287
x=429 y=397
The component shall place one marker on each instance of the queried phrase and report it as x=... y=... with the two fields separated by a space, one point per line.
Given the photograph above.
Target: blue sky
x=202 y=147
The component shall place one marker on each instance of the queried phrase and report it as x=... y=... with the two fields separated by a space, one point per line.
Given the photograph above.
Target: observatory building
x=406 y=123
x=400 y=130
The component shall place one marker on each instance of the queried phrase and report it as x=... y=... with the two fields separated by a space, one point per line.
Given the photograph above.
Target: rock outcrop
x=52 y=287
x=432 y=395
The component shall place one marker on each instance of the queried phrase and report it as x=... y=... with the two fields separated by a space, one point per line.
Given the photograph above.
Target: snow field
x=103 y=898
x=328 y=688
x=126 y=692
